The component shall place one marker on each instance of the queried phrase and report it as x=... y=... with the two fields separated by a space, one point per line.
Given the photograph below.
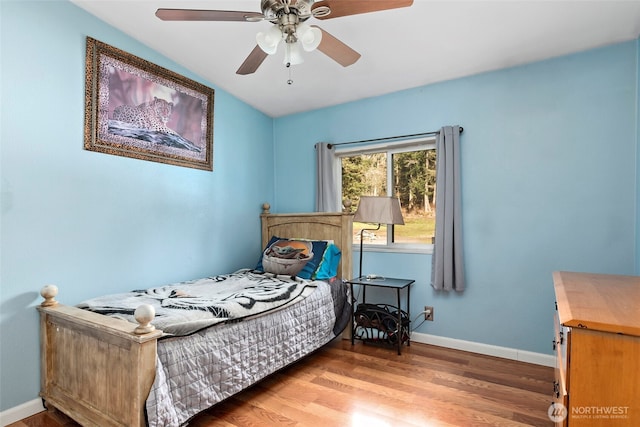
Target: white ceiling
x=430 y=41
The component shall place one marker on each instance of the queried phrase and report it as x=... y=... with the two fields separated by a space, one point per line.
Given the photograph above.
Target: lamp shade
x=380 y=210
x=293 y=54
x=269 y=40
x=310 y=37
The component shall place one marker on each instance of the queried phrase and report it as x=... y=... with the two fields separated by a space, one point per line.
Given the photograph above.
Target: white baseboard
x=20 y=412
x=486 y=349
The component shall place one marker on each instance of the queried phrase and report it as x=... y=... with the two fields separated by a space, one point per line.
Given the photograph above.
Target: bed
x=104 y=371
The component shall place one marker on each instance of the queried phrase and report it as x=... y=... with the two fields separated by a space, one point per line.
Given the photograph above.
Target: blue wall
x=638 y=158
x=548 y=175
x=550 y=182
x=94 y=223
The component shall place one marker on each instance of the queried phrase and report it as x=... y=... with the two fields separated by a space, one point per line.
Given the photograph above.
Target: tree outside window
x=408 y=173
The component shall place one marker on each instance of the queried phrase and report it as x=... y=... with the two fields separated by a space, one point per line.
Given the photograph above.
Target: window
x=406 y=170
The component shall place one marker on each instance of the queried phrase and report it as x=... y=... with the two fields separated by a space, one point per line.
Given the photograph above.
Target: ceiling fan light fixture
x=310 y=37
x=293 y=54
x=269 y=40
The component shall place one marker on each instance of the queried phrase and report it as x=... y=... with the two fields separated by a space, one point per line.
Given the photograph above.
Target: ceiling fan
x=289 y=18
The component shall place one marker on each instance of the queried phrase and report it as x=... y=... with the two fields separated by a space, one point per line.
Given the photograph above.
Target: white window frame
x=425 y=143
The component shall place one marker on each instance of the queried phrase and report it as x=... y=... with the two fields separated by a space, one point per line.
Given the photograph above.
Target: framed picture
x=134 y=108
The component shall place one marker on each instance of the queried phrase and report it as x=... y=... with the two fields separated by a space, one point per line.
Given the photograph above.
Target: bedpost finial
x=144 y=314
x=49 y=292
x=265 y=208
x=346 y=203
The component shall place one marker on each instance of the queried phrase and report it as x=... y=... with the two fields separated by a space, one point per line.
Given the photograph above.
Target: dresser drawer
x=560 y=390
x=559 y=343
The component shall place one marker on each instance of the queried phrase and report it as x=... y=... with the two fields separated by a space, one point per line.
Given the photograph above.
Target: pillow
x=328 y=267
x=322 y=265
x=309 y=268
x=287 y=256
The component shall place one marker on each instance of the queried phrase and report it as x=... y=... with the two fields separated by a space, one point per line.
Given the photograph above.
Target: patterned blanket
x=187 y=307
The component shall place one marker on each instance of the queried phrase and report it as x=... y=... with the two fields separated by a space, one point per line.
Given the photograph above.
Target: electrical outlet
x=428 y=313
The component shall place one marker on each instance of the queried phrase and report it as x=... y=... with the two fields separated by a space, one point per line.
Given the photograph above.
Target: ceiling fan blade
x=336 y=50
x=207 y=15
x=353 y=7
x=253 y=61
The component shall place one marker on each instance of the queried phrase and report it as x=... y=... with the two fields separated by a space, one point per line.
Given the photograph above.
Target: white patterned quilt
x=234 y=342
x=186 y=307
x=196 y=372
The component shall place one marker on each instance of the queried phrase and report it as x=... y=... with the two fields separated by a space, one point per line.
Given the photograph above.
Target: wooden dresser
x=597 y=344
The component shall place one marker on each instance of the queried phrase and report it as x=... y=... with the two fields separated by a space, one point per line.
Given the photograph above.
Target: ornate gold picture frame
x=137 y=109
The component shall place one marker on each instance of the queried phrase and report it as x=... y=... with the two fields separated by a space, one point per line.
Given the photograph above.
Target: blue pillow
x=328 y=267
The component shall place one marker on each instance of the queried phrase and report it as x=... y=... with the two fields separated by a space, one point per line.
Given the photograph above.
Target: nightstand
x=381 y=322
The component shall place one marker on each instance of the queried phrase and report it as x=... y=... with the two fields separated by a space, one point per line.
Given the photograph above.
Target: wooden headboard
x=315 y=226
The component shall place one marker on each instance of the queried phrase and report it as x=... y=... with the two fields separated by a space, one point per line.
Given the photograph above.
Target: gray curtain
x=447 y=270
x=327 y=197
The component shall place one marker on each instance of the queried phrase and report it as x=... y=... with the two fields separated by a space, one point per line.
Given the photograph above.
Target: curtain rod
x=389 y=138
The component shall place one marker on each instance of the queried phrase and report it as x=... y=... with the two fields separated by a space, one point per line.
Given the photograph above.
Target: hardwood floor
x=370 y=386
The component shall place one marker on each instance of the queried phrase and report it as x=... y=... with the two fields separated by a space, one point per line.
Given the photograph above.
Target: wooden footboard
x=96 y=369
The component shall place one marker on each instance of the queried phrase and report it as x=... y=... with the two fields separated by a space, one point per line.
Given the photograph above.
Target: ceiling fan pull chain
x=290 y=81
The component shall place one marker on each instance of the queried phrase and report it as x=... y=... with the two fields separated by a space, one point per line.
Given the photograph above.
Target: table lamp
x=377 y=209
